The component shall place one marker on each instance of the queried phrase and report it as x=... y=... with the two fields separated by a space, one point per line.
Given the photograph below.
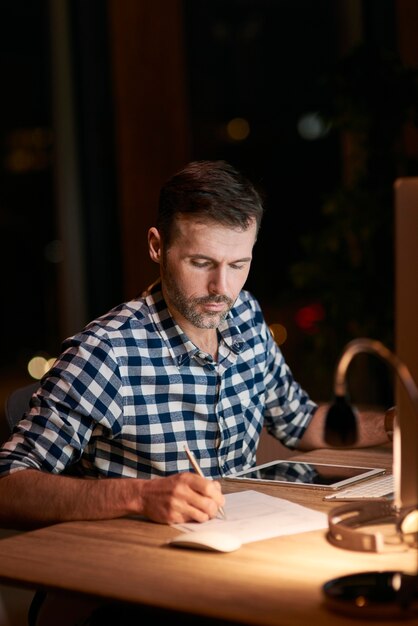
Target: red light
x=307 y=317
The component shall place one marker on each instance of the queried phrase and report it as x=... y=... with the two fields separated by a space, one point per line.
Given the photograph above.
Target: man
x=191 y=361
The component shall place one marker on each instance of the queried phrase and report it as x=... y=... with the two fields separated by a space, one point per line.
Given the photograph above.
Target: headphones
x=343 y=522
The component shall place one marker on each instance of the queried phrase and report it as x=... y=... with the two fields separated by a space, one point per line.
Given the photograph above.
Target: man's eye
x=200 y=263
x=237 y=266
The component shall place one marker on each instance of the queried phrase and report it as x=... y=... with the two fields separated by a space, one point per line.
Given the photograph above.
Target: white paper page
x=251 y=516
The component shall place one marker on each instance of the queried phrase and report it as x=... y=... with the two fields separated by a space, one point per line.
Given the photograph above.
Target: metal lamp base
x=384 y=595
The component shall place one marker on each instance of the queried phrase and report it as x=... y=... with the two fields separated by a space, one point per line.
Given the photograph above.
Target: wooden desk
x=271 y=582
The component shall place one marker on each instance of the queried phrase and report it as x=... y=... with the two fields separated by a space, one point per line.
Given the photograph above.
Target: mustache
x=214 y=300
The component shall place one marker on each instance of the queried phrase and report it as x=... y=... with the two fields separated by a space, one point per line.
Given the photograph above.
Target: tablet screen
x=306 y=474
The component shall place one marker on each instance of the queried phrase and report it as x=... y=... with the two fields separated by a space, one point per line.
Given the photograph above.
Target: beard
x=189 y=307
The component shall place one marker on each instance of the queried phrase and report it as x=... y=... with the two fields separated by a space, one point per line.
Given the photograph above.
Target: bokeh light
x=238 y=129
x=279 y=333
x=39 y=365
x=307 y=317
x=312 y=126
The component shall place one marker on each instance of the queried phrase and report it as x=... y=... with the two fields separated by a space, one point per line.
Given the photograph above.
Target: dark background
x=89 y=131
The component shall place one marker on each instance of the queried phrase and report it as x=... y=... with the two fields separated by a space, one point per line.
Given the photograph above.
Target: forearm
x=30 y=498
x=370 y=430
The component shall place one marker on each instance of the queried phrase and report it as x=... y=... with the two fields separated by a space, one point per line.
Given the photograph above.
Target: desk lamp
x=381 y=593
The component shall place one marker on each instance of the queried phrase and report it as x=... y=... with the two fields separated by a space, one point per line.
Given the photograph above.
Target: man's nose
x=218 y=281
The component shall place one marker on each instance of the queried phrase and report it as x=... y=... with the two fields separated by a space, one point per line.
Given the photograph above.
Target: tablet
x=306 y=474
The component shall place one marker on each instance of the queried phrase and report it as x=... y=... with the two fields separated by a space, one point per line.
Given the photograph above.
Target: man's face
x=204 y=269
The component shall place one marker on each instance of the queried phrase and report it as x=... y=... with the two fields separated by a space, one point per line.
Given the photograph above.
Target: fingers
x=205 y=497
x=181 y=498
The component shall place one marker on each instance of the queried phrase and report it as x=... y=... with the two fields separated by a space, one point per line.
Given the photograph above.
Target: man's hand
x=184 y=497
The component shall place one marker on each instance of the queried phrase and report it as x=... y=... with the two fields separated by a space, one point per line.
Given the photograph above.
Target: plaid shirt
x=131 y=389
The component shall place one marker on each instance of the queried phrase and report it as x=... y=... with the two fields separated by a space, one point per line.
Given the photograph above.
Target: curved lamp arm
x=341 y=421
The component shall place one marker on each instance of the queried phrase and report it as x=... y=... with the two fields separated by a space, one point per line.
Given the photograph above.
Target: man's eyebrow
x=209 y=258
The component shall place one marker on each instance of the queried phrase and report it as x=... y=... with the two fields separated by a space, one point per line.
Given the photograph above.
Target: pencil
x=197 y=469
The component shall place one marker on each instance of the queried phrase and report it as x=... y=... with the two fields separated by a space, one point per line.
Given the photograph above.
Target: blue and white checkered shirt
x=131 y=389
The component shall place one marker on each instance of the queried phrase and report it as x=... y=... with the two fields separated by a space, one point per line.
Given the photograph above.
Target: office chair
x=18 y=402
x=45 y=609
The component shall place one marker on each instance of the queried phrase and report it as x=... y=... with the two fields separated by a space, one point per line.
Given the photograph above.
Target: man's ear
x=154 y=244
